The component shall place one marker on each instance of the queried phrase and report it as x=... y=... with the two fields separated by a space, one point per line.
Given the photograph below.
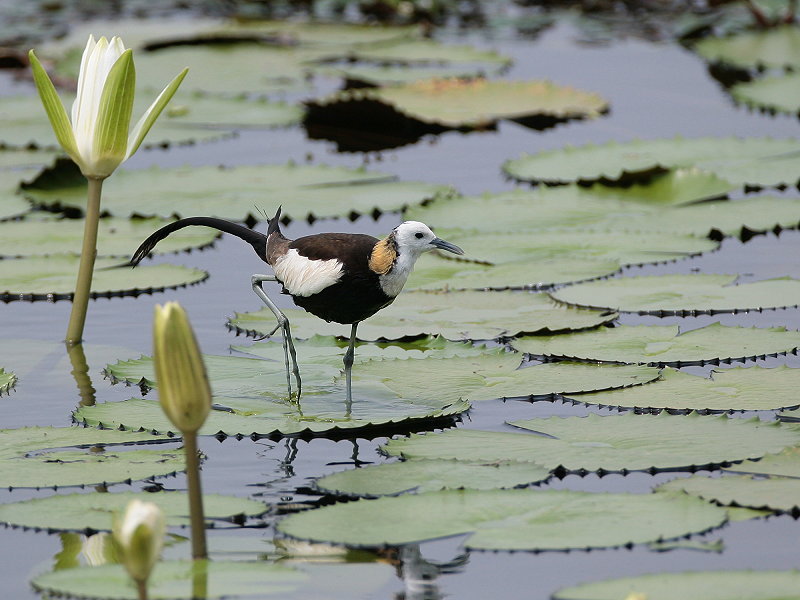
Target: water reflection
x=419 y=575
x=80 y=371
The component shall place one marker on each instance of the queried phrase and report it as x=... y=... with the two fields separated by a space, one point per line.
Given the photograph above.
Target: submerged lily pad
x=674 y=294
x=94 y=512
x=115 y=237
x=507 y=519
x=708 y=585
x=454 y=315
x=36 y=457
x=778 y=93
x=663 y=345
x=429 y=475
x=616 y=443
x=772 y=48
x=53 y=278
x=234 y=193
x=775 y=493
x=752 y=388
x=7 y=381
x=753 y=161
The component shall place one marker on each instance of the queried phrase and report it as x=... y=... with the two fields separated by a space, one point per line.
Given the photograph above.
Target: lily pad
x=708 y=585
x=369 y=75
x=53 y=278
x=429 y=475
x=698 y=293
x=663 y=345
x=176 y=579
x=196 y=109
x=773 y=48
x=25 y=158
x=628 y=442
x=12 y=203
x=785 y=464
x=496 y=375
x=507 y=519
x=778 y=93
x=733 y=159
x=425 y=51
x=37 y=457
x=454 y=315
x=234 y=193
x=94 y=512
x=7 y=381
x=752 y=388
x=778 y=494
x=115 y=237
x=471 y=104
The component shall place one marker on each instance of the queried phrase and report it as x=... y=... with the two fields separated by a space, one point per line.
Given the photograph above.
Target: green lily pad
x=663 y=345
x=472 y=104
x=752 y=388
x=7 y=381
x=778 y=494
x=771 y=93
x=673 y=188
x=53 y=278
x=675 y=294
x=36 y=457
x=628 y=442
x=425 y=51
x=573 y=206
x=420 y=476
x=227 y=113
x=235 y=193
x=15 y=158
x=454 y=315
x=12 y=203
x=773 y=48
x=176 y=579
x=496 y=375
x=115 y=237
x=371 y=75
x=94 y=512
x=785 y=464
x=739 y=161
x=507 y=519
x=708 y=585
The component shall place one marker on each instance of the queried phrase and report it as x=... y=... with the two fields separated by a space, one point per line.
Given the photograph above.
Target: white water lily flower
x=139 y=538
x=98 y=138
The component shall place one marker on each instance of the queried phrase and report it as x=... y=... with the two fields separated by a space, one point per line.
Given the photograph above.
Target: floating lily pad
x=771 y=93
x=675 y=294
x=663 y=345
x=737 y=160
x=227 y=113
x=115 y=237
x=673 y=188
x=53 y=277
x=785 y=464
x=37 y=457
x=7 y=381
x=426 y=51
x=778 y=494
x=12 y=203
x=369 y=75
x=616 y=443
x=472 y=104
x=753 y=388
x=507 y=519
x=235 y=193
x=94 y=512
x=177 y=579
x=454 y=315
x=773 y=48
x=430 y=475
x=708 y=585
x=496 y=375
x=597 y=208
x=25 y=158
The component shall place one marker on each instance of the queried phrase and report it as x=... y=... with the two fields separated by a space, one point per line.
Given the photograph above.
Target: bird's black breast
x=358 y=294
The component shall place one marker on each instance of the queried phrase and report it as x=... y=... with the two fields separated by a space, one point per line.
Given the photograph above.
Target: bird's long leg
x=283 y=324
x=348 y=362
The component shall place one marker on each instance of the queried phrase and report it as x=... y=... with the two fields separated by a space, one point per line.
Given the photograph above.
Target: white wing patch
x=302 y=276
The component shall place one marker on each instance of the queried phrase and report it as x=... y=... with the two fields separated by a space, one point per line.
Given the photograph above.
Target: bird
x=339 y=277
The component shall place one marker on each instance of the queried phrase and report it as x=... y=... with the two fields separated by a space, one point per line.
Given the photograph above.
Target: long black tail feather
x=256 y=239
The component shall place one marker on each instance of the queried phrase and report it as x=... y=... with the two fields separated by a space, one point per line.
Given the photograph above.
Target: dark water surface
x=655 y=90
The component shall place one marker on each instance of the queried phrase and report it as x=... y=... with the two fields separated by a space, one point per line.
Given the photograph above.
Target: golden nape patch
x=382 y=257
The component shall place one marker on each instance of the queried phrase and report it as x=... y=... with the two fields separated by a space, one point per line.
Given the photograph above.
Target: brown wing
x=352 y=249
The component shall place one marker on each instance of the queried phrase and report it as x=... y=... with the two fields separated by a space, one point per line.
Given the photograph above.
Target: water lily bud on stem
x=139 y=538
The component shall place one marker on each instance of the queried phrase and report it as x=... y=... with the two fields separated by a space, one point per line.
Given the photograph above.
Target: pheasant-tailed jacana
x=340 y=277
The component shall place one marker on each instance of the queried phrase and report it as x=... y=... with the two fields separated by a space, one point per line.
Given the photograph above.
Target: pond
x=655 y=90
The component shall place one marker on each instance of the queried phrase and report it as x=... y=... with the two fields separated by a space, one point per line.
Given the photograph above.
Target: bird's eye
x=419 y=235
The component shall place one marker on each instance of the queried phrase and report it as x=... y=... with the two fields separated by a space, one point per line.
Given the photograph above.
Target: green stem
x=141 y=587
x=196 y=515
x=80 y=301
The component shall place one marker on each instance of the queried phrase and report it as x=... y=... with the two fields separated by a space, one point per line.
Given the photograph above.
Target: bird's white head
x=415 y=238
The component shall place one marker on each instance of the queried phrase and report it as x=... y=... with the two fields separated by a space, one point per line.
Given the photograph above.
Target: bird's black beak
x=443 y=245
